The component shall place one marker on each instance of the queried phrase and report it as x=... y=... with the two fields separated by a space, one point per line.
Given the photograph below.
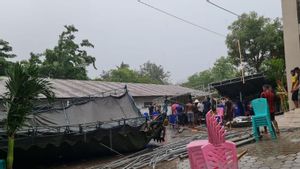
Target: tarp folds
x=86 y=126
x=95 y=110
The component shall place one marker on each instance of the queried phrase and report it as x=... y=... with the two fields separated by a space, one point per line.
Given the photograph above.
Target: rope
x=111 y=149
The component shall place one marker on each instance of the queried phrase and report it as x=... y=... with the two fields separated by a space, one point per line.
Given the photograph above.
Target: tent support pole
x=241 y=97
x=110 y=139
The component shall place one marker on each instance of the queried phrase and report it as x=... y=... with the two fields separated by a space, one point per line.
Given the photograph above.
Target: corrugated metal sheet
x=82 y=88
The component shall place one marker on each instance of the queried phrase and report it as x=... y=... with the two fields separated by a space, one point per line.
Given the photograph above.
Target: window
x=147 y=104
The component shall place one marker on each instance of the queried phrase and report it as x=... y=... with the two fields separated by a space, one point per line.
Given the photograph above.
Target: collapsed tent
x=81 y=126
x=235 y=88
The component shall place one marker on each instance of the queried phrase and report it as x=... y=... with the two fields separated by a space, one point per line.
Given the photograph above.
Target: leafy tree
x=23 y=86
x=260 y=39
x=33 y=61
x=5 y=53
x=67 y=60
x=223 y=69
x=122 y=73
x=274 y=69
x=199 y=80
x=123 y=65
x=149 y=73
x=155 y=72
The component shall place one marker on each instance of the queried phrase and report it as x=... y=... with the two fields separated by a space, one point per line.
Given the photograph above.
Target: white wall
x=139 y=101
x=291 y=40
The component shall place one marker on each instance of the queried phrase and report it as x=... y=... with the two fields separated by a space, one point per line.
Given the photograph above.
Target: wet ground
x=171 y=136
x=283 y=152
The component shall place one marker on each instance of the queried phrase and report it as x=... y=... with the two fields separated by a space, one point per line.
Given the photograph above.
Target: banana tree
x=23 y=87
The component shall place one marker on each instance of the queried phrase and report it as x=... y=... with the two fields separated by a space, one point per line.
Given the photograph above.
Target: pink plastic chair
x=214 y=153
x=216 y=133
x=222 y=156
x=195 y=154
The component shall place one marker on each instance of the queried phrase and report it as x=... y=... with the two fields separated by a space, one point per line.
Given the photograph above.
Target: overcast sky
x=125 y=30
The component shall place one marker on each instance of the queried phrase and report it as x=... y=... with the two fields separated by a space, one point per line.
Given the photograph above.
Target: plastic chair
x=222 y=156
x=261 y=117
x=214 y=153
x=2 y=164
x=216 y=133
x=195 y=154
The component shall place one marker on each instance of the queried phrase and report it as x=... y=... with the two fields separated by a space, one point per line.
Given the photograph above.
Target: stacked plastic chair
x=196 y=156
x=214 y=153
x=261 y=117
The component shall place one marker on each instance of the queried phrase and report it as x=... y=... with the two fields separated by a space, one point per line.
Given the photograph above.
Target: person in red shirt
x=270 y=96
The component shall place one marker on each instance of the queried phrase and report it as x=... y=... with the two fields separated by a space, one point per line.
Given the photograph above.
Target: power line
x=223 y=8
x=181 y=19
x=238 y=41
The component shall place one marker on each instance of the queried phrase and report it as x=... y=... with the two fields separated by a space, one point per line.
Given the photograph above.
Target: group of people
x=295 y=73
x=193 y=113
x=154 y=110
x=190 y=113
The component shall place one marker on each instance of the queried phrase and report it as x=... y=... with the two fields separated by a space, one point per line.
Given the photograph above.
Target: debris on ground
x=170 y=151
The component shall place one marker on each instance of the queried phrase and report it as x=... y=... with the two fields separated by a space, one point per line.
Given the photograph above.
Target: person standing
x=180 y=114
x=207 y=105
x=190 y=114
x=269 y=95
x=158 y=109
x=206 y=108
x=151 y=110
x=295 y=86
x=228 y=111
x=174 y=117
x=196 y=112
x=200 y=107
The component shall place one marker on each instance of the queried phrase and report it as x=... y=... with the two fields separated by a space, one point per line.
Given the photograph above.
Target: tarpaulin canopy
x=233 y=88
x=91 y=110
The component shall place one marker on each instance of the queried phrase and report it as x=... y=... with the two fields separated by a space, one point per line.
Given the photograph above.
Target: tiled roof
x=82 y=88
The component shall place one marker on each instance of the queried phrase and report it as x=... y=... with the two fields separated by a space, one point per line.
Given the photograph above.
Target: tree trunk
x=10 y=152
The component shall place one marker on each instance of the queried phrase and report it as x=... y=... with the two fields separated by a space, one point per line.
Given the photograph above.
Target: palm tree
x=23 y=87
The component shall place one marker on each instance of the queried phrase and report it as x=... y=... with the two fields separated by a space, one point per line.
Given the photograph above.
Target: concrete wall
x=291 y=39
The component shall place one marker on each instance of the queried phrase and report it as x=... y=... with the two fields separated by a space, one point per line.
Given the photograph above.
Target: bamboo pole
x=241 y=61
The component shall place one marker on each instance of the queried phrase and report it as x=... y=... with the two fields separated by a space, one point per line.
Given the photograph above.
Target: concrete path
x=289 y=119
x=282 y=153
